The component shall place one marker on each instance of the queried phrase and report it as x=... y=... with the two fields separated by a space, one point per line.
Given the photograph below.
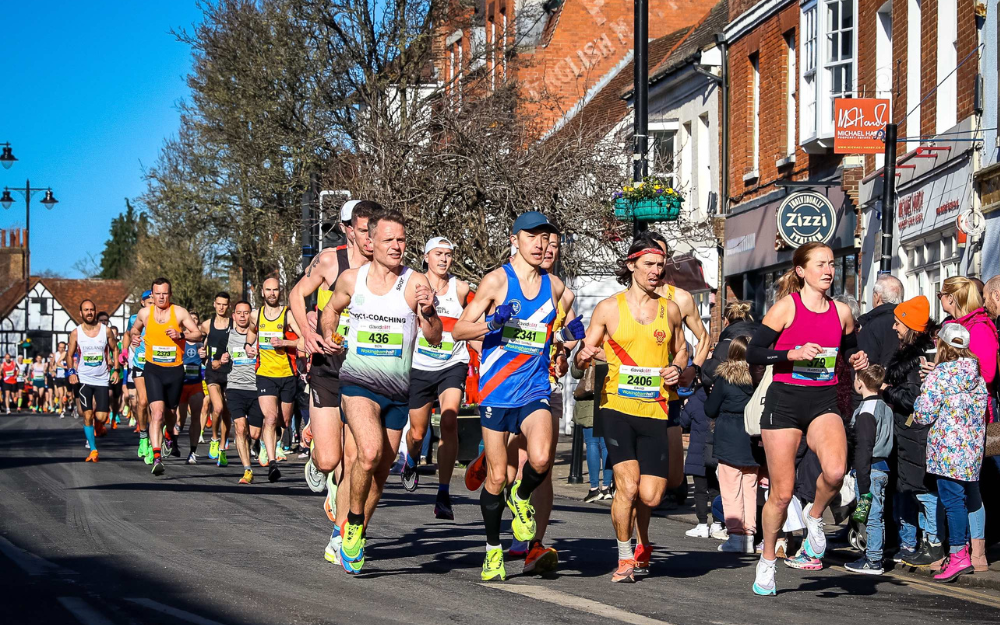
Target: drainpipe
x=723 y=207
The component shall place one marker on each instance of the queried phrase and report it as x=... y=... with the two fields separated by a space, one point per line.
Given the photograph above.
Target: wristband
x=678 y=367
x=491 y=325
x=71 y=371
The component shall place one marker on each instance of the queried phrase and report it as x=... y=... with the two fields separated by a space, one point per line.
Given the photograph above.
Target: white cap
x=347 y=210
x=956 y=335
x=438 y=242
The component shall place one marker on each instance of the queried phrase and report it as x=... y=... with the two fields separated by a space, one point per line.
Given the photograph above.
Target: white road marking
x=29 y=562
x=82 y=611
x=174 y=612
x=573 y=602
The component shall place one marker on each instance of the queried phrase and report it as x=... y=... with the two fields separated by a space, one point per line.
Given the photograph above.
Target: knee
x=627 y=487
x=323 y=462
x=369 y=457
x=417 y=431
x=651 y=498
x=780 y=499
x=833 y=477
x=449 y=428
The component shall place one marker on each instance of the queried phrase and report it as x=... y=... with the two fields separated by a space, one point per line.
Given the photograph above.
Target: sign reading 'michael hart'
x=858 y=122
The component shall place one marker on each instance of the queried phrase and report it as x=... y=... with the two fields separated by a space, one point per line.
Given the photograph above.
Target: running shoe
x=625 y=573
x=698 y=531
x=804 y=562
x=247 y=477
x=222 y=461
x=541 y=559
x=192 y=458
x=475 y=473
x=280 y=453
x=518 y=549
x=175 y=449
x=442 y=507
x=92 y=457
x=208 y=421
x=718 y=531
x=594 y=494
x=523 y=523
x=865 y=566
x=114 y=424
x=904 y=553
x=100 y=430
x=409 y=477
x=307 y=435
x=262 y=456
x=330 y=502
x=158 y=467
x=643 y=554
x=352 y=548
x=273 y=474
x=213 y=449
x=493 y=565
x=148 y=458
x=764 y=584
x=332 y=552
x=166 y=447
x=815 y=542
x=132 y=422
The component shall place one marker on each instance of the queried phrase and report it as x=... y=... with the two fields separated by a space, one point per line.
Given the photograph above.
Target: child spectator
x=872 y=425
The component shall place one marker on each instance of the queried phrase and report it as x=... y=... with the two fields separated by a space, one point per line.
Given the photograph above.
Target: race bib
x=380 y=339
x=140 y=357
x=639 y=382
x=93 y=359
x=192 y=371
x=819 y=369
x=164 y=354
x=524 y=337
x=240 y=358
x=443 y=351
x=267 y=337
x=344 y=326
x=211 y=353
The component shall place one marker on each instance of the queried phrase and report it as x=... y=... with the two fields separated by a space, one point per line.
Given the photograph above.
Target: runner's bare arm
x=594 y=340
x=857 y=358
x=421 y=298
x=113 y=348
x=138 y=325
x=71 y=350
x=323 y=265
x=567 y=301
x=678 y=345
x=339 y=301
x=472 y=324
x=188 y=327
x=689 y=311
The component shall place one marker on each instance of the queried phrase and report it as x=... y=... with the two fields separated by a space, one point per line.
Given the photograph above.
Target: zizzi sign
x=805 y=217
x=858 y=124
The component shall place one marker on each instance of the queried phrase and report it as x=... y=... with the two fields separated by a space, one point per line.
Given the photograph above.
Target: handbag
x=754 y=409
x=585 y=389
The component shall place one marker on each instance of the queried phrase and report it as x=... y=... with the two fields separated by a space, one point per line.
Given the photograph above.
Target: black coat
x=902 y=374
x=877 y=339
x=699 y=444
x=725 y=405
x=721 y=352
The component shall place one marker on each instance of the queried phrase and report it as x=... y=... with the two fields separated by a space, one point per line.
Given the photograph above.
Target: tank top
x=217 y=338
x=10 y=372
x=192 y=363
x=38 y=372
x=449 y=352
x=272 y=362
x=321 y=363
x=515 y=361
x=93 y=365
x=635 y=355
x=241 y=371
x=60 y=366
x=381 y=337
x=138 y=355
x=808 y=327
x=161 y=350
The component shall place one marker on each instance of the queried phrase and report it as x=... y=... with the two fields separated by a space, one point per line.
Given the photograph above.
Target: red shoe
x=642 y=556
x=92 y=457
x=208 y=422
x=541 y=560
x=475 y=474
x=625 y=572
x=100 y=430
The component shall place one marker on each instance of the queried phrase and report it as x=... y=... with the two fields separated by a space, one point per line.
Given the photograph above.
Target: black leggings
x=706 y=488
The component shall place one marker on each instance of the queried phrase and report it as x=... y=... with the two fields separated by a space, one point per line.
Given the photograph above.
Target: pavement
x=109 y=543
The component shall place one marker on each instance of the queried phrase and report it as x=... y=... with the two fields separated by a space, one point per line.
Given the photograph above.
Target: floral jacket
x=953 y=399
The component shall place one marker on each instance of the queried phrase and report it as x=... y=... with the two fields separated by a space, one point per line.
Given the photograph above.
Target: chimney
x=3 y=238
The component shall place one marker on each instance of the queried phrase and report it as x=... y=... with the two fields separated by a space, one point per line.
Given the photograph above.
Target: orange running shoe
x=642 y=556
x=100 y=430
x=208 y=421
x=114 y=425
x=475 y=473
x=541 y=559
x=625 y=572
x=92 y=457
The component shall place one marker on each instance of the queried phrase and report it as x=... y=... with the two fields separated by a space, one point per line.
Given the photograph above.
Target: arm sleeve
x=849 y=345
x=864 y=432
x=760 y=352
x=714 y=402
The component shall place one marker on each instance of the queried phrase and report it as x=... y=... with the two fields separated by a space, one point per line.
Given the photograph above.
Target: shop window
x=661 y=146
x=828 y=64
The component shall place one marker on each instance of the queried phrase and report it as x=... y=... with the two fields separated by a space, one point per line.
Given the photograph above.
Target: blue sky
x=88 y=92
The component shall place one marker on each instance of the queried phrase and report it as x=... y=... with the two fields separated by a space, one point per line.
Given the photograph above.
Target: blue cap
x=146 y=295
x=530 y=221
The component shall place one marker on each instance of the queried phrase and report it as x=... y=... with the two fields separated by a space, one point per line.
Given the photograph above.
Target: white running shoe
x=698 y=531
x=332 y=551
x=718 y=531
x=192 y=458
x=815 y=543
x=764 y=582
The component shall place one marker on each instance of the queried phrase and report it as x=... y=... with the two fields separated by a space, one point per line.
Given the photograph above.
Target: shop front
x=988 y=181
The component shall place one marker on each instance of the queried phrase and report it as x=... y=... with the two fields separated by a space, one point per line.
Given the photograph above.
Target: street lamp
x=7 y=158
x=7 y=200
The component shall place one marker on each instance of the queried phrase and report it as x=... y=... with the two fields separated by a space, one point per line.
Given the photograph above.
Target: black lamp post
x=6 y=200
x=7 y=157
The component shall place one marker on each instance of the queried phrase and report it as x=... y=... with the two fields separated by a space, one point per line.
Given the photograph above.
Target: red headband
x=648 y=250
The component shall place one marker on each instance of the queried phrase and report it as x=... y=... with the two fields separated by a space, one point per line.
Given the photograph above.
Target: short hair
x=365 y=209
x=104 y=313
x=851 y=303
x=993 y=284
x=390 y=214
x=85 y=301
x=243 y=301
x=872 y=377
x=890 y=288
x=224 y=295
x=162 y=280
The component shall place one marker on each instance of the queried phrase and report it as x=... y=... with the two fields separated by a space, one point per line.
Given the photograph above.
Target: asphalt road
x=108 y=543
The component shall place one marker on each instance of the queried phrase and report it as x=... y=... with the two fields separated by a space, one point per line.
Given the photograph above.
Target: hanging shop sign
x=858 y=124
x=806 y=216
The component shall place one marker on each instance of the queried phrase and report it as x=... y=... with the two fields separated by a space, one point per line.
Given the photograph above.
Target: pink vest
x=823 y=329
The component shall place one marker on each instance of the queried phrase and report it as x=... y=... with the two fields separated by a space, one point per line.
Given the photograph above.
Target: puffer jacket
x=903 y=377
x=983 y=343
x=699 y=454
x=953 y=402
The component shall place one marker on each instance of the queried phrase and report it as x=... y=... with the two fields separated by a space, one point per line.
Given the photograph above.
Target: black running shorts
x=240 y=402
x=164 y=384
x=427 y=386
x=10 y=387
x=94 y=398
x=213 y=377
x=60 y=383
x=789 y=406
x=325 y=390
x=282 y=388
x=637 y=438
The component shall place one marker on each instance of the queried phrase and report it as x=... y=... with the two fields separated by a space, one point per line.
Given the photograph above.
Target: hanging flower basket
x=649 y=200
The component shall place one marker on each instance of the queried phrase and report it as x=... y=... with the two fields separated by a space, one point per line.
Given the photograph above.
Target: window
x=947 y=62
x=808 y=103
x=883 y=59
x=686 y=159
x=928 y=264
x=828 y=66
x=42 y=303
x=661 y=147
x=503 y=43
x=913 y=68
x=839 y=57
x=790 y=81
x=704 y=164
x=493 y=55
x=755 y=115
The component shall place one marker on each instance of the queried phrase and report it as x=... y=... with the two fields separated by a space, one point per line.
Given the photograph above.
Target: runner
x=61 y=386
x=8 y=372
x=275 y=371
x=216 y=331
x=169 y=326
x=640 y=331
x=439 y=372
x=801 y=336
x=38 y=383
x=325 y=423
x=92 y=345
x=387 y=300
x=192 y=397
x=137 y=364
x=23 y=384
x=514 y=384
x=235 y=370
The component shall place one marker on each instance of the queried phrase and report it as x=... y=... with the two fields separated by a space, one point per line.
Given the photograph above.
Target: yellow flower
x=629 y=189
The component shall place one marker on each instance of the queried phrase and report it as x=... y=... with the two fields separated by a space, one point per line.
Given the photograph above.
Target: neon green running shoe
x=352 y=545
x=143 y=447
x=213 y=449
x=493 y=565
x=223 y=461
x=523 y=523
x=148 y=458
x=262 y=455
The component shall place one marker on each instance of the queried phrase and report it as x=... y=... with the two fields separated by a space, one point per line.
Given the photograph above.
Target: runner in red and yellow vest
x=167 y=327
x=641 y=336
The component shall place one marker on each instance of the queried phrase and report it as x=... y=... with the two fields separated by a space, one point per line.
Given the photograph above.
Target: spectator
x=736 y=321
x=583 y=416
x=991 y=297
x=876 y=337
x=953 y=402
x=914 y=502
x=700 y=463
x=845 y=372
